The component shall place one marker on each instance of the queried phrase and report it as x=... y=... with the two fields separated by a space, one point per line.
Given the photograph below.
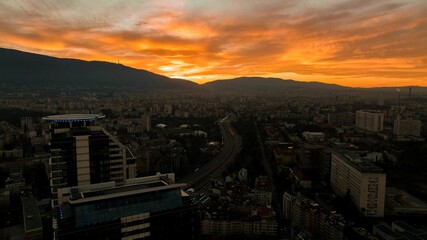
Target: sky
x=358 y=43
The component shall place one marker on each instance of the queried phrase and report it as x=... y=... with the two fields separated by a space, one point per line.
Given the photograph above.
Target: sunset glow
x=351 y=43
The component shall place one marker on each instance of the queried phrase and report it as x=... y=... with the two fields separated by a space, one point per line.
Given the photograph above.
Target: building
x=341 y=118
x=408 y=231
x=363 y=181
x=309 y=156
x=26 y=123
x=4 y=198
x=399 y=230
x=152 y=207
x=325 y=163
x=407 y=127
x=370 y=120
x=83 y=153
x=15 y=186
x=313 y=136
x=284 y=153
x=146 y=122
x=305 y=214
x=400 y=202
x=288 y=200
x=385 y=232
x=33 y=227
x=266 y=227
x=262 y=197
x=251 y=222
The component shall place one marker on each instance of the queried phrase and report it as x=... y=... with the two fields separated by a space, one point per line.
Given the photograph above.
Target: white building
x=364 y=182
x=370 y=120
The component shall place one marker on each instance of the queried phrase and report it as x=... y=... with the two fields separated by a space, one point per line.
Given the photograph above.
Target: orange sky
x=361 y=43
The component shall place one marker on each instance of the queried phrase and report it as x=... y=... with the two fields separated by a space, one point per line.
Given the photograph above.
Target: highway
x=200 y=179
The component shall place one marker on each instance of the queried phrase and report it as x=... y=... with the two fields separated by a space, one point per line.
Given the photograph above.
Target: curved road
x=200 y=179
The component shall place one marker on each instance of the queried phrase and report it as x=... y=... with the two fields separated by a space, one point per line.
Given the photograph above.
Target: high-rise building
x=83 y=152
x=363 y=181
x=370 y=120
x=152 y=207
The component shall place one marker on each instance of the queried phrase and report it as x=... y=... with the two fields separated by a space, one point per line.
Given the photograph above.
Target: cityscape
x=110 y=145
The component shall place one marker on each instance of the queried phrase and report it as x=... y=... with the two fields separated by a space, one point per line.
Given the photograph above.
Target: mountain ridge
x=36 y=70
x=18 y=67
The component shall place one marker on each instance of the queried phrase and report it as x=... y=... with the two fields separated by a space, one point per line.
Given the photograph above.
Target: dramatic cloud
x=353 y=43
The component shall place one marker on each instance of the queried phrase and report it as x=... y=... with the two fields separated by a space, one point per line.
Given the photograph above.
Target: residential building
x=219 y=223
x=362 y=181
x=370 y=120
x=305 y=214
x=288 y=200
x=407 y=127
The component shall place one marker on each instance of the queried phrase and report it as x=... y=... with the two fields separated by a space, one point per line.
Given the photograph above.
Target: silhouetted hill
x=22 y=68
x=259 y=85
x=405 y=92
x=275 y=86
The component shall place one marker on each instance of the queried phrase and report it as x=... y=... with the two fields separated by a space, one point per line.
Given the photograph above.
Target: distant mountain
x=404 y=92
x=259 y=85
x=22 y=69
x=278 y=86
x=34 y=70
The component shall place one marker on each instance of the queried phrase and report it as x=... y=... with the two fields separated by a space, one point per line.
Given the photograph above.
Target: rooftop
x=32 y=220
x=369 y=111
x=73 y=118
x=121 y=191
x=401 y=202
x=408 y=228
x=390 y=233
x=358 y=162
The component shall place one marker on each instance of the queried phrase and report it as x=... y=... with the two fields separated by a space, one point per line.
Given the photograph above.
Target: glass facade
x=99 y=153
x=107 y=210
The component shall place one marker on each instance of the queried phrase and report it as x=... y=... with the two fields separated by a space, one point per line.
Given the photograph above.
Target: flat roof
x=124 y=191
x=408 y=228
x=73 y=118
x=359 y=163
x=32 y=220
x=387 y=230
x=401 y=201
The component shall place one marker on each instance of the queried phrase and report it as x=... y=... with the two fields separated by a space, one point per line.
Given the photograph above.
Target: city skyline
x=357 y=44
